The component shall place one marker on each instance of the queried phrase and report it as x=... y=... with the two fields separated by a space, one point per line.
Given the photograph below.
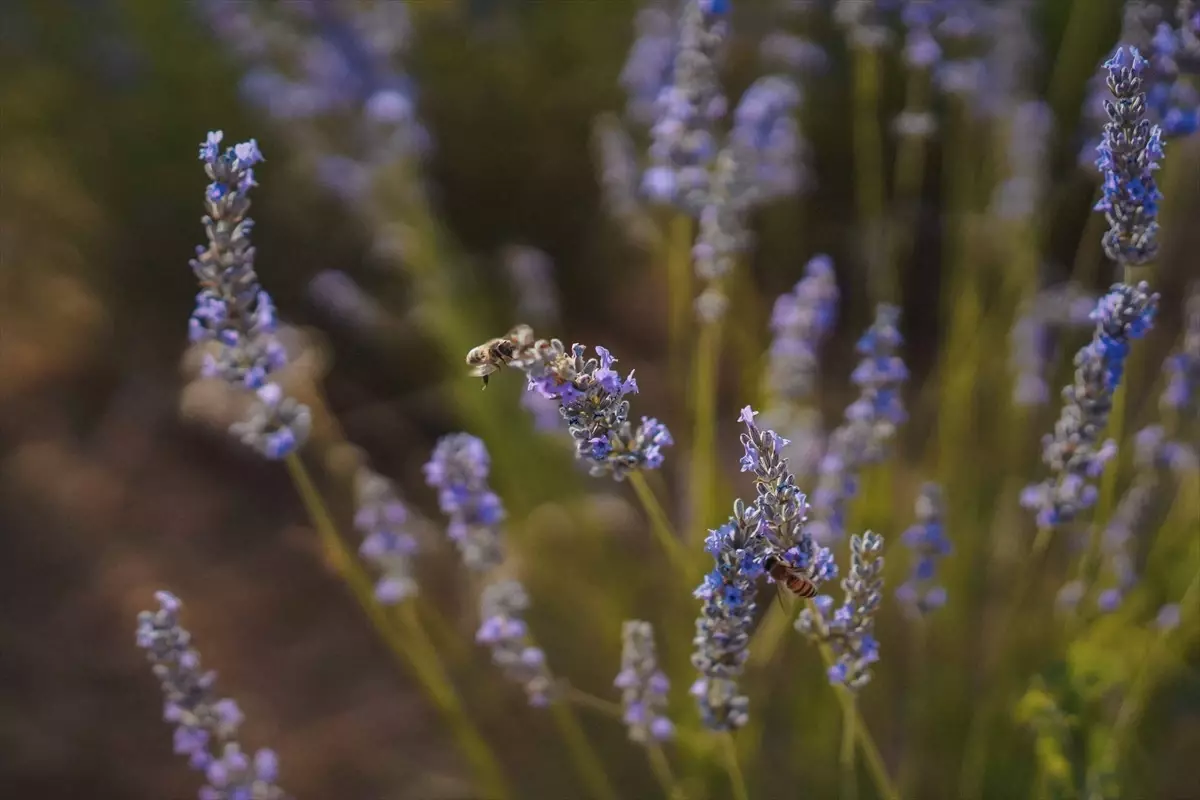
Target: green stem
x=846 y=754
x=868 y=171
x=414 y=647
x=736 y=780
x=873 y=760
x=703 y=489
x=909 y=171
x=974 y=765
x=581 y=751
x=910 y=767
x=678 y=258
x=660 y=525
x=662 y=771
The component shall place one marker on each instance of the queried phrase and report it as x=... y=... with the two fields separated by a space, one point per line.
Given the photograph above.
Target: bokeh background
x=117 y=479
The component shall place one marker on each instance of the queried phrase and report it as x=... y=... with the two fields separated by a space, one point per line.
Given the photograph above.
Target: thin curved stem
x=846 y=753
x=661 y=768
x=414 y=647
x=581 y=751
x=703 y=488
x=736 y=780
x=660 y=524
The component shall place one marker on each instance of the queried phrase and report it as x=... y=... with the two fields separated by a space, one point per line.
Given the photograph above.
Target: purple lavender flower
x=1168 y=617
x=206 y=726
x=727 y=618
x=794 y=53
x=801 y=321
x=459 y=471
x=870 y=424
x=1073 y=452
x=849 y=630
x=764 y=126
x=381 y=519
x=928 y=543
x=773 y=526
x=592 y=401
x=1129 y=154
x=233 y=312
x=503 y=630
x=643 y=686
x=683 y=145
x=648 y=68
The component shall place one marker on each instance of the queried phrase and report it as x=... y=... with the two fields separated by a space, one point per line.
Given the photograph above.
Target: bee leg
x=779 y=597
x=485 y=380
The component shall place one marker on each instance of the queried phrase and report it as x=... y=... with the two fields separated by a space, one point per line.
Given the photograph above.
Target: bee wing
x=481 y=371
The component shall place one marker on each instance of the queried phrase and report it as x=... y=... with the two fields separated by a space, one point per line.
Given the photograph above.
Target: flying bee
x=793 y=579
x=490 y=356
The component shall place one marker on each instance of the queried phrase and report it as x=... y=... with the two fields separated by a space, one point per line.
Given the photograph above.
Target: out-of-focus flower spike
x=643 y=685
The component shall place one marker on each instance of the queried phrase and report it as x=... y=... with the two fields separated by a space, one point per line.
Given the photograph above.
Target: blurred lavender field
x=834 y=262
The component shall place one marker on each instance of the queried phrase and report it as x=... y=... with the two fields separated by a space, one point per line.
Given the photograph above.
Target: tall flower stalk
x=206 y=726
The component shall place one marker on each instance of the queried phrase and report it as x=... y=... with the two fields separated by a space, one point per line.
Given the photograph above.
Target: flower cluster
x=206 y=726
x=870 y=424
x=651 y=60
x=381 y=519
x=764 y=126
x=233 y=314
x=1130 y=150
x=773 y=526
x=1073 y=452
x=459 y=471
x=722 y=234
x=683 y=143
x=801 y=321
x=928 y=542
x=643 y=685
x=312 y=63
x=727 y=618
x=1183 y=367
x=848 y=631
x=591 y=397
x=503 y=630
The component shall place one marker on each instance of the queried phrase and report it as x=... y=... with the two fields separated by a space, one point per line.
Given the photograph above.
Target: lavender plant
x=233 y=312
x=206 y=725
x=928 y=542
x=849 y=630
x=870 y=424
x=643 y=686
x=381 y=519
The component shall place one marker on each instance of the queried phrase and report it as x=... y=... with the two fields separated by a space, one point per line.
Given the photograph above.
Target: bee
x=795 y=581
x=490 y=356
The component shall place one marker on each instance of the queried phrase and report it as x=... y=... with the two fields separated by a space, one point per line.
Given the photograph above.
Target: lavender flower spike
x=206 y=727
x=683 y=144
x=643 y=685
x=232 y=310
x=1183 y=367
x=801 y=320
x=459 y=471
x=928 y=542
x=849 y=631
x=1129 y=154
x=504 y=631
x=870 y=424
x=773 y=526
x=1073 y=452
x=381 y=519
x=591 y=397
